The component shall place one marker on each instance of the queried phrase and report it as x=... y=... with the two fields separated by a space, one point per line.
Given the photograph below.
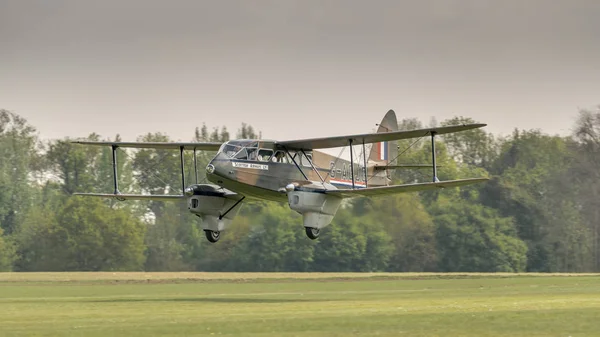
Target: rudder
x=386 y=152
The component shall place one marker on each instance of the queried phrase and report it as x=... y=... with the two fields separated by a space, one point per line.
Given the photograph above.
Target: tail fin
x=385 y=152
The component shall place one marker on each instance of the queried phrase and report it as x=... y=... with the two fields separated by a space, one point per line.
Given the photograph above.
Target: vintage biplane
x=313 y=183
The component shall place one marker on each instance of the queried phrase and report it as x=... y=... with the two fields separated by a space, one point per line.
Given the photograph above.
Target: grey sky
x=295 y=69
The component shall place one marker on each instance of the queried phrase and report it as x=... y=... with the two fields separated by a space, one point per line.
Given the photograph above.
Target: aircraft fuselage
x=266 y=174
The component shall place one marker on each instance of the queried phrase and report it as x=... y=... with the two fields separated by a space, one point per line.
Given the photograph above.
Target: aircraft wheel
x=312 y=233
x=212 y=236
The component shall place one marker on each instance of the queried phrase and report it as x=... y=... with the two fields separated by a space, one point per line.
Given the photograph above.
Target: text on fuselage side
x=344 y=172
x=251 y=166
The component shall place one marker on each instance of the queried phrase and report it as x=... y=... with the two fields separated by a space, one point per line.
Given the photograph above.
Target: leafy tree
x=7 y=253
x=104 y=174
x=532 y=186
x=201 y=134
x=340 y=248
x=471 y=237
x=229 y=253
x=409 y=228
x=473 y=147
x=95 y=238
x=352 y=243
x=164 y=250
x=275 y=242
x=585 y=173
x=215 y=135
x=247 y=132
x=84 y=234
x=73 y=165
x=38 y=249
x=157 y=171
x=18 y=163
x=224 y=134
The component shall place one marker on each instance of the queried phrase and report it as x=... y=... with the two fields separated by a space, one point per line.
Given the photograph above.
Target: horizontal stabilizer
x=386 y=190
x=407 y=166
x=122 y=197
x=367 y=138
x=204 y=146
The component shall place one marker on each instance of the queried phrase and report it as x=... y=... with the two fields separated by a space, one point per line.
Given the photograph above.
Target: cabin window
x=242 y=154
x=230 y=150
x=304 y=160
x=294 y=157
x=264 y=154
x=252 y=153
x=247 y=150
x=279 y=157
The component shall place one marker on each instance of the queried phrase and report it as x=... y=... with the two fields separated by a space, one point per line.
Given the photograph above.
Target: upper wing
x=384 y=190
x=339 y=141
x=206 y=146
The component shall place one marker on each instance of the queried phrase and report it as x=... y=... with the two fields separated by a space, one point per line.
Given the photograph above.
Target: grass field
x=278 y=304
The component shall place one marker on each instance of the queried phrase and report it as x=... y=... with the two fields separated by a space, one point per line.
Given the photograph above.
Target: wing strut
x=230 y=208
x=365 y=163
x=351 y=161
x=114 y=162
x=435 y=178
x=195 y=166
x=313 y=166
x=297 y=166
x=182 y=170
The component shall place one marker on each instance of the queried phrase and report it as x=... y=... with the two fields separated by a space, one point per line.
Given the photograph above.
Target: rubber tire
x=212 y=236
x=312 y=233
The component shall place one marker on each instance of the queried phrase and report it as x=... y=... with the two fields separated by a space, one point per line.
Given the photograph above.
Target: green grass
x=412 y=304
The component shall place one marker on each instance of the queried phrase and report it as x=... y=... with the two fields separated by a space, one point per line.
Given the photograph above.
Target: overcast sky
x=295 y=69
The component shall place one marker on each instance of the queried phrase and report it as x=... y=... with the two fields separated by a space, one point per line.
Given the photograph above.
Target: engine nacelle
x=317 y=209
x=213 y=207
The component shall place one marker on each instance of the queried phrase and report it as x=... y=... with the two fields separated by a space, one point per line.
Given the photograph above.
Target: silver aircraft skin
x=313 y=183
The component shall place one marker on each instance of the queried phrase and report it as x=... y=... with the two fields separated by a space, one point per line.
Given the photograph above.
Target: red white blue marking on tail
x=383 y=150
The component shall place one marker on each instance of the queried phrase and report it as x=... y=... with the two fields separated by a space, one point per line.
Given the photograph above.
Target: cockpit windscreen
x=245 y=150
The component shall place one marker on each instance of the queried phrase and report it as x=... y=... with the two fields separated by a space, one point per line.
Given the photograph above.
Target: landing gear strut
x=212 y=236
x=312 y=233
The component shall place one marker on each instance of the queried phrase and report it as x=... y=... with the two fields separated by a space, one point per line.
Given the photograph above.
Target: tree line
x=539 y=212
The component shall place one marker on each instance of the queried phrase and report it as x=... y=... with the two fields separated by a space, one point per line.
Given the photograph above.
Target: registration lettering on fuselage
x=345 y=172
x=250 y=166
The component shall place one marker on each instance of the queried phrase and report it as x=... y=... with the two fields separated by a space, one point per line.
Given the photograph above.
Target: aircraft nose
x=217 y=166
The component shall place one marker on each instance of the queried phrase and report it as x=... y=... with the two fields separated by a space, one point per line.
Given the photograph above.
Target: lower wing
x=197 y=189
x=122 y=197
x=385 y=190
